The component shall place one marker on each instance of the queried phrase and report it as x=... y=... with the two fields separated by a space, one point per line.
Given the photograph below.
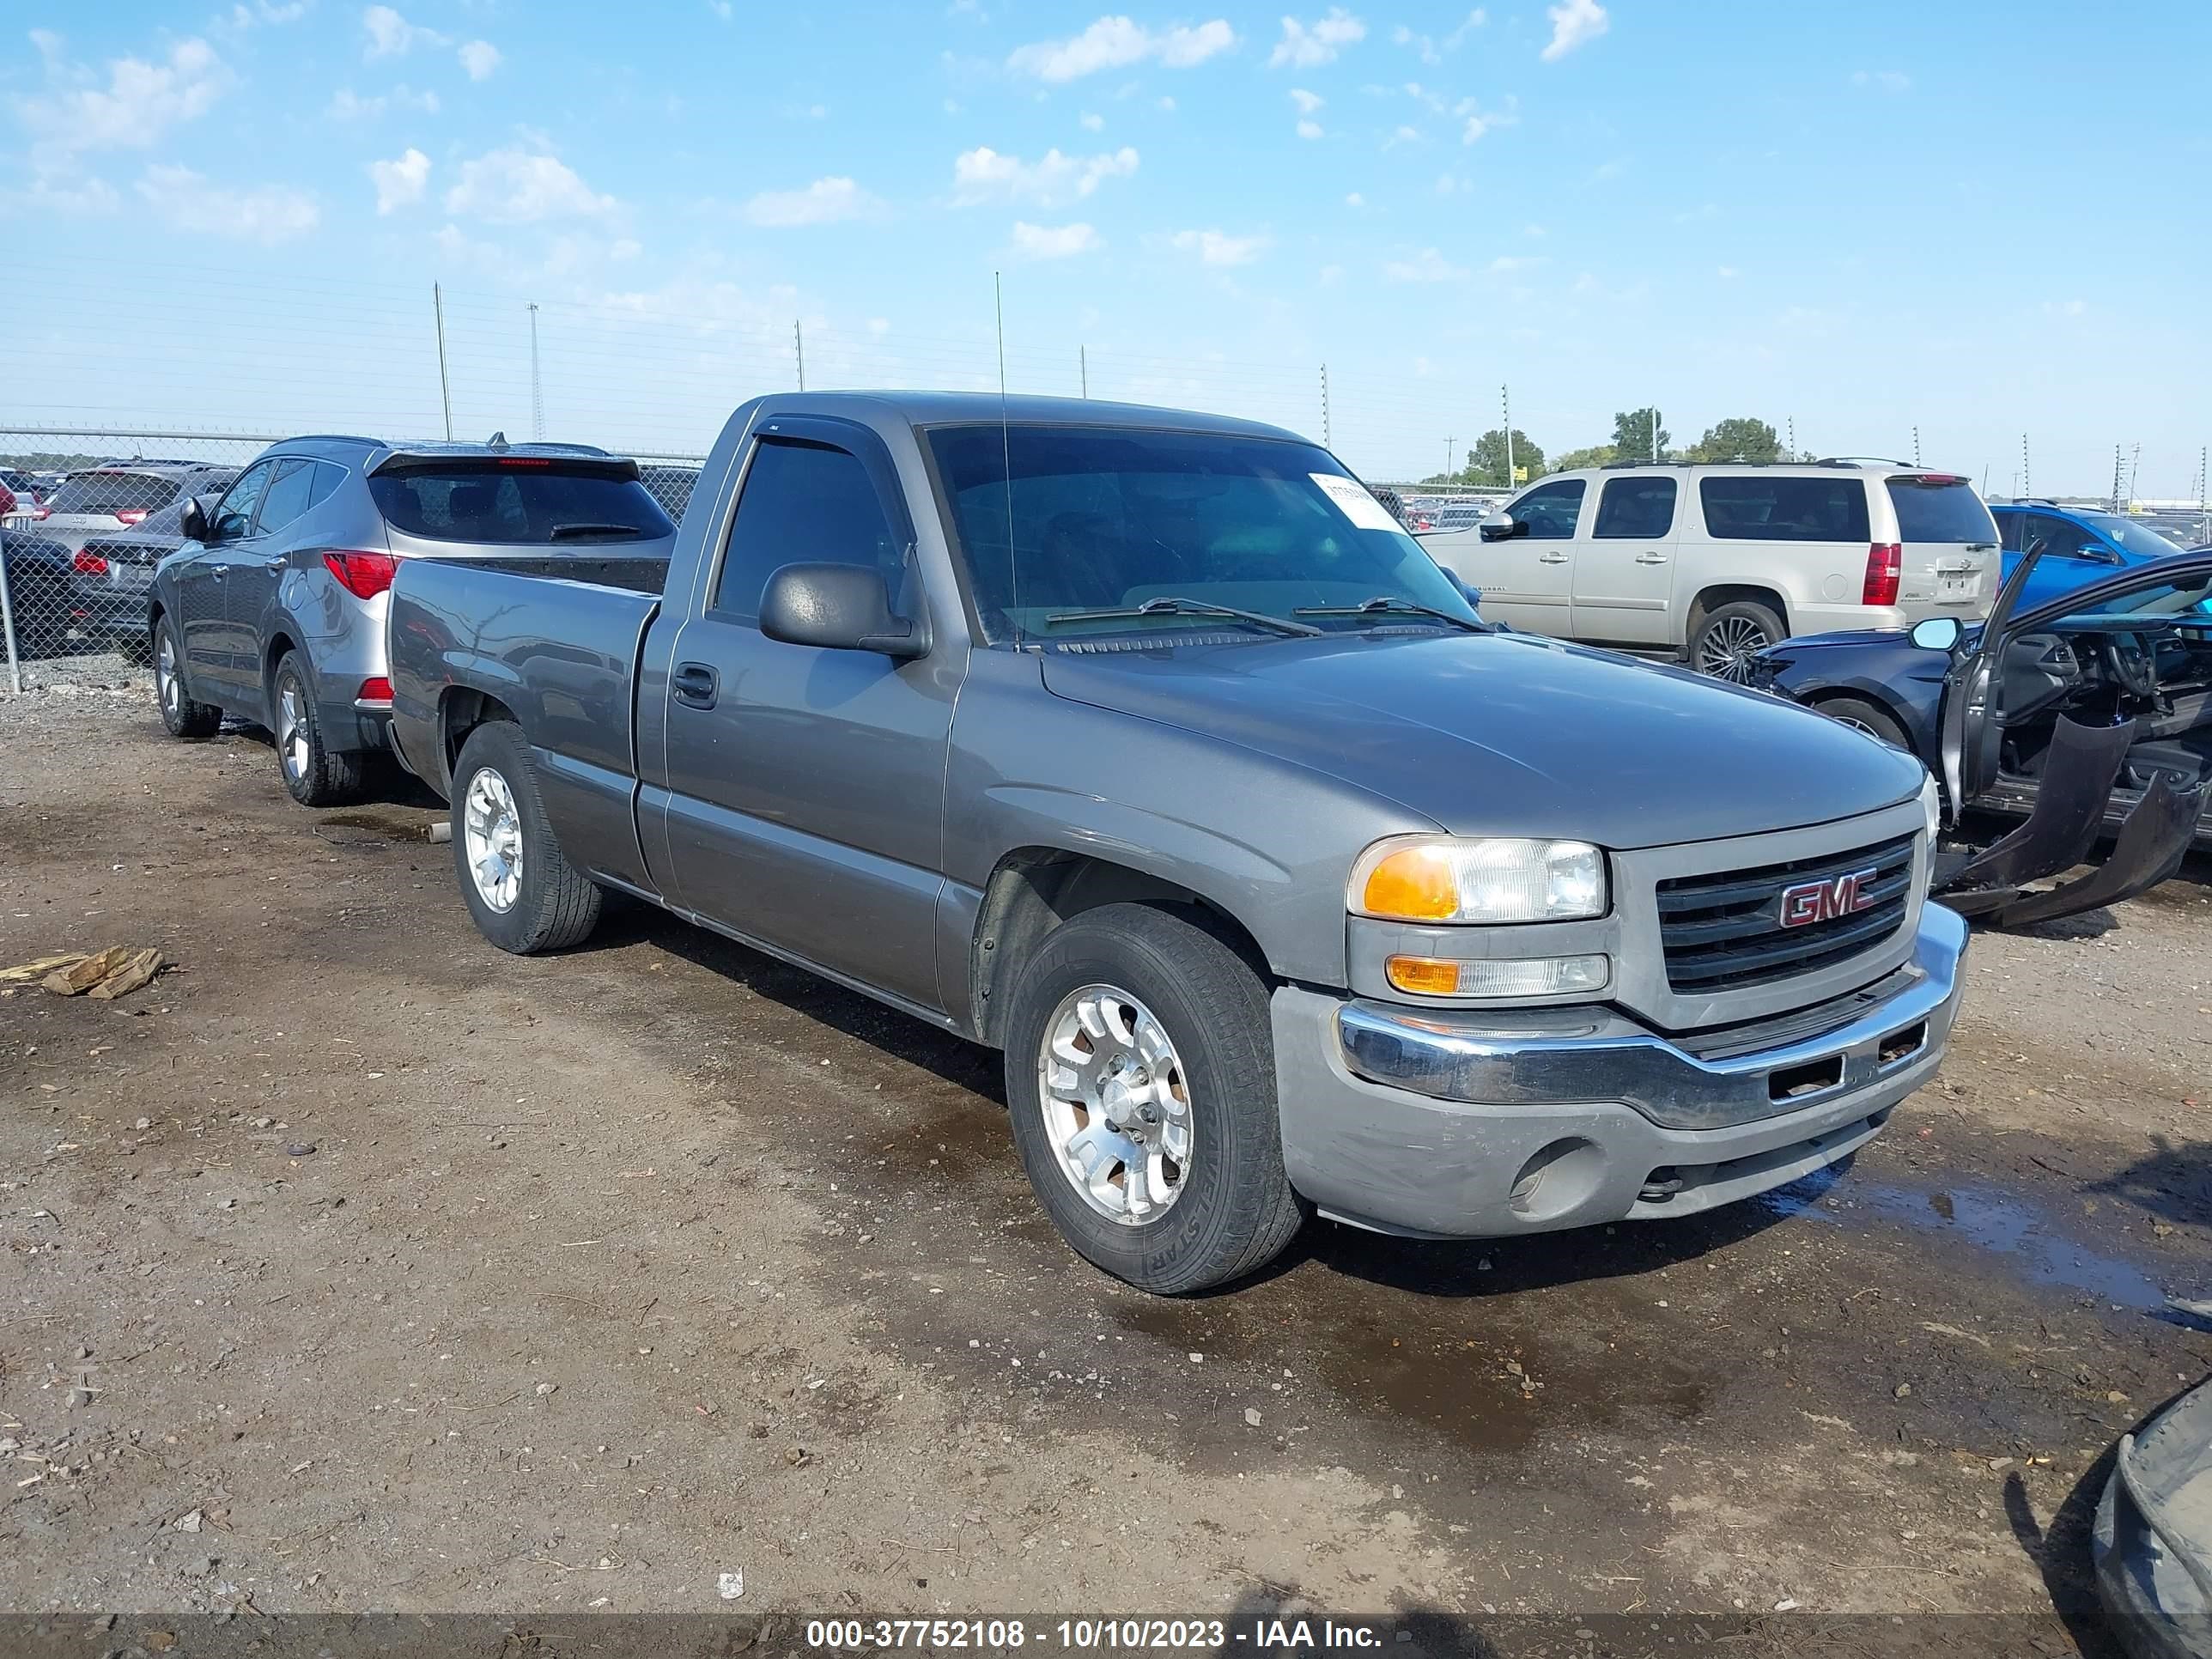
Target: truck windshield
x=539 y=503
x=1103 y=519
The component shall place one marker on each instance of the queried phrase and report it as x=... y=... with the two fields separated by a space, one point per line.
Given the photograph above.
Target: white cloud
x=1331 y=276
x=1092 y=122
x=1724 y=272
x=1573 y=23
x=140 y=102
x=1302 y=48
x=1427 y=266
x=390 y=35
x=1886 y=80
x=267 y=213
x=1355 y=200
x=985 y=175
x=346 y=105
x=1402 y=136
x=824 y=202
x=1310 y=129
x=721 y=9
x=1431 y=49
x=1054 y=242
x=400 y=181
x=1118 y=42
x=479 y=58
x=1214 y=248
x=517 y=186
x=1480 y=120
x=243 y=16
x=2064 y=308
x=1510 y=262
x=1308 y=102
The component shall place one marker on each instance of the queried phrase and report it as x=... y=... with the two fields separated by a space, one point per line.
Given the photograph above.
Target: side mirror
x=837 y=607
x=1939 y=634
x=1502 y=527
x=193 y=522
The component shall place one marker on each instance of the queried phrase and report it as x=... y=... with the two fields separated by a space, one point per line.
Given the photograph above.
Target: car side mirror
x=1502 y=527
x=193 y=522
x=1939 y=634
x=838 y=607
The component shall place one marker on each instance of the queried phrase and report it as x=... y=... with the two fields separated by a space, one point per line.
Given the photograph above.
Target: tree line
x=1638 y=434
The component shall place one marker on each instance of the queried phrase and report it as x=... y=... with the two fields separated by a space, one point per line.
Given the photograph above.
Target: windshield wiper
x=1173 y=606
x=561 y=533
x=1391 y=605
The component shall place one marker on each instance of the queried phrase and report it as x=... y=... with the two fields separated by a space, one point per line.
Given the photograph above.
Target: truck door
x=807 y=786
x=1526 y=574
x=1624 y=572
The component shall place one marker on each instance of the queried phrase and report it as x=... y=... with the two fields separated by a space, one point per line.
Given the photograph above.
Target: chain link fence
x=86 y=516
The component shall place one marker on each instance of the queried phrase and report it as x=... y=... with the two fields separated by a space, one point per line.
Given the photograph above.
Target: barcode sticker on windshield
x=1351 y=497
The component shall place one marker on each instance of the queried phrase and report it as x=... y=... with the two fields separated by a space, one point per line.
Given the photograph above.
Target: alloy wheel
x=1117 y=1104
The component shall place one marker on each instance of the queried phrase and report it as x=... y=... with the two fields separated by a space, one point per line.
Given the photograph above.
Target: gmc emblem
x=1824 y=901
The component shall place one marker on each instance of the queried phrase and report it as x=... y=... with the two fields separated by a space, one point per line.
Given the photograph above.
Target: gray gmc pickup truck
x=1149 y=749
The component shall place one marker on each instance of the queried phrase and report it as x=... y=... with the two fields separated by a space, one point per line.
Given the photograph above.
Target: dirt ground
x=355 y=1265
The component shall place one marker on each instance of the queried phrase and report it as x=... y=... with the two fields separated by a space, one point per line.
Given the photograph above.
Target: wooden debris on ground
x=104 y=975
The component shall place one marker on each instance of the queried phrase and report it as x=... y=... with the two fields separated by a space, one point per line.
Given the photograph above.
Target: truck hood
x=1508 y=734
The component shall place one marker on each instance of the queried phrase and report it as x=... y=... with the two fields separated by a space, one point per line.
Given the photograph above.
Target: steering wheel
x=2130 y=665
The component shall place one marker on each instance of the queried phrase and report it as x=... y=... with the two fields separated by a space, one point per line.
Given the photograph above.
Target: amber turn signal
x=1422 y=974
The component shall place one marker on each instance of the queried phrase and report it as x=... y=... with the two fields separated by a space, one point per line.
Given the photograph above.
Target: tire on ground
x=324 y=776
x=1723 y=621
x=1868 y=717
x=555 y=906
x=193 y=722
x=1236 y=1211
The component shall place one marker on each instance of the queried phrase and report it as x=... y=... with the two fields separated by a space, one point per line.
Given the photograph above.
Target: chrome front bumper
x=1739 y=1075
x=1464 y=1124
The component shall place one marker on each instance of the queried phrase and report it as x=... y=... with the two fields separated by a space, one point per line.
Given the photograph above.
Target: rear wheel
x=1141 y=1076
x=314 y=774
x=1729 y=638
x=1869 y=718
x=194 y=722
x=523 y=893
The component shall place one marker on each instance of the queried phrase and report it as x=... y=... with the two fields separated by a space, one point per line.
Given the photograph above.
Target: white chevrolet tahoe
x=1716 y=562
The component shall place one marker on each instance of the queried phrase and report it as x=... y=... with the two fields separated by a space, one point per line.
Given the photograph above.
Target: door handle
x=1551 y=558
x=218 y=571
x=1651 y=558
x=695 y=683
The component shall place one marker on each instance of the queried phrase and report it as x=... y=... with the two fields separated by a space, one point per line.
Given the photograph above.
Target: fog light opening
x=1899 y=1045
x=1558 y=1179
x=1813 y=1078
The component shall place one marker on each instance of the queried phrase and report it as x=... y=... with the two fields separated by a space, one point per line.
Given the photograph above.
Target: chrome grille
x=1723 y=932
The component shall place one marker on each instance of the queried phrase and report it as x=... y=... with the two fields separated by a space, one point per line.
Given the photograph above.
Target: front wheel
x=194 y=722
x=1729 y=640
x=1863 y=716
x=1140 y=1072
x=524 y=893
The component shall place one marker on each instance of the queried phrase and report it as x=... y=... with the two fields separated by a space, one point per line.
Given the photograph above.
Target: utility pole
x=445 y=391
x=1083 y=366
x=1916 y=445
x=537 y=386
x=1325 y=443
x=1793 y=437
x=1655 y=432
x=1450 y=445
x=1505 y=407
x=2026 y=480
x=799 y=349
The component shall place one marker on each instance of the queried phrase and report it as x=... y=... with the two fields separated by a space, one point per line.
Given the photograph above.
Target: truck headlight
x=1448 y=878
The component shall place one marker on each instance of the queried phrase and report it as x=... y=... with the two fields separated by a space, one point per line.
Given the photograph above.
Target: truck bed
x=555 y=636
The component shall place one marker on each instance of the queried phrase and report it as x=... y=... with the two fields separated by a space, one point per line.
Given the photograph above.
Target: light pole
x=537 y=388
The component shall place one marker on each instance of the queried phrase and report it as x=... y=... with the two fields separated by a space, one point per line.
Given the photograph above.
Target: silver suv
x=274 y=609
x=1716 y=562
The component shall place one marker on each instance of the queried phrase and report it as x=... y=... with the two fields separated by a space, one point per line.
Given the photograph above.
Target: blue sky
x=1983 y=220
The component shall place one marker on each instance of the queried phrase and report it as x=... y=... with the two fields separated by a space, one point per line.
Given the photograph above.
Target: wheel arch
x=1034 y=890
x=1711 y=597
x=461 y=709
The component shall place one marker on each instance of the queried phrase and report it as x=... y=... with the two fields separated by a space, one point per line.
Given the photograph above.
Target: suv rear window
x=1755 y=508
x=113 y=492
x=518 y=505
x=1947 y=511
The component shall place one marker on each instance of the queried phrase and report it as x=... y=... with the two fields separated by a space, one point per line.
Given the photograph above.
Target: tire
x=548 y=905
x=190 y=721
x=1728 y=637
x=314 y=773
x=1870 y=718
x=1232 y=1209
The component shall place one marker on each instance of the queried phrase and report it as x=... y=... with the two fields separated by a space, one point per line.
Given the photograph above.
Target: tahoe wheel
x=1141 y=1077
x=194 y=722
x=1729 y=639
x=314 y=774
x=523 y=894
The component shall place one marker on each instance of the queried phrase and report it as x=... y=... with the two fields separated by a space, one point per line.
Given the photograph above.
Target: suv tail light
x=376 y=689
x=129 y=515
x=86 y=562
x=364 y=576
x=1885 y=568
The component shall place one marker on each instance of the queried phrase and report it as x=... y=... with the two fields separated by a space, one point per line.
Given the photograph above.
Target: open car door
x=1973 y=720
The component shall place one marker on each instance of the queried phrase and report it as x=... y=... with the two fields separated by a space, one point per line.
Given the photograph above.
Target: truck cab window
x=804 y=503
x=1550 y=510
